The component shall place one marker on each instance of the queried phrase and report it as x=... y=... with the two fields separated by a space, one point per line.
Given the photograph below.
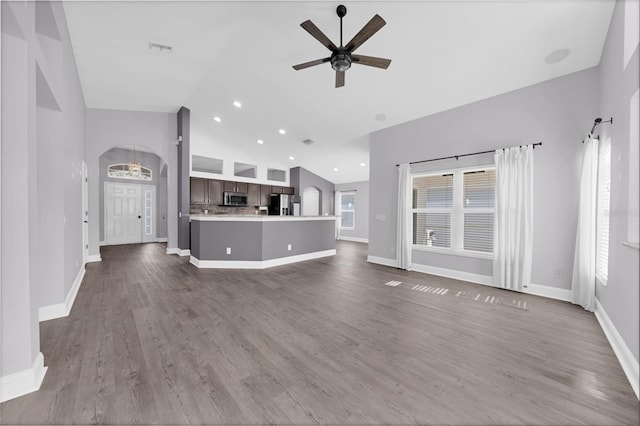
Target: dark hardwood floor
x=153 y=340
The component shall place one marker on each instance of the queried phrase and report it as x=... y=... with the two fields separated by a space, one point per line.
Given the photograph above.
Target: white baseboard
x=534 y=289
x=456 y=275
x=629 y=364
x=259 y=264
x=23 y=382
x=549 y=292
x=102 y=243
x=59 y=310
x=382 y=261
x=354 y=239
x=161 y=240
x=94 y=258
x=179 y=252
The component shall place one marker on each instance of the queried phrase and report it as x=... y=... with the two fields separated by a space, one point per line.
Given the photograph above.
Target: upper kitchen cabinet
x=215 y=192
x=253 y=194
x=199 y=191
x=282 y=190
x=265 y=193
x=231 y=186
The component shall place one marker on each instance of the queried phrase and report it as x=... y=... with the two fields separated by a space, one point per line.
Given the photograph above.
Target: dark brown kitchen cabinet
x=231 y=186
x=215 y=192
x=282 y=190
x=265 y=195
x=253 y=194
x=199 y=191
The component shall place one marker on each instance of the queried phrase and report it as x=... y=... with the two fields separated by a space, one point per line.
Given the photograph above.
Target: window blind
x=479 y=209
x=602 y=222
x=432 y=202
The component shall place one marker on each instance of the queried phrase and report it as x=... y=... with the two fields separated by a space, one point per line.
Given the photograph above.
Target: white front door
x=123 y=213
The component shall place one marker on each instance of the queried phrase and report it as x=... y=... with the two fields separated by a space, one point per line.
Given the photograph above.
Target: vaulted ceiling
x=444 y=54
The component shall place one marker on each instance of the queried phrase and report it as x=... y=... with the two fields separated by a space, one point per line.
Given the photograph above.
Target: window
x=206 y=164
x=348 y=210
x=602 y=220
x=454 y=210
x=148 y=212
x=244 y=170
x=122 y=171
x=277 y=175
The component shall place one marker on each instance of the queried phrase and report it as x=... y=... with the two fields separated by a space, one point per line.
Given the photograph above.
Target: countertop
x=256 y=218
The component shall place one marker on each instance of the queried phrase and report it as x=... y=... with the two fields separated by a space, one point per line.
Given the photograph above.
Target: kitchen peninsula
x=258 y=241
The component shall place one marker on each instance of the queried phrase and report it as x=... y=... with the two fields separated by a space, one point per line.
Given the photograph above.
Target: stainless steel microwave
x=234 y=199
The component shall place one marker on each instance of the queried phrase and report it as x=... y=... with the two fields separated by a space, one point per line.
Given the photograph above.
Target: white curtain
x=583 y=284
x=513 y=232
x=404 y=239
x=338 y=212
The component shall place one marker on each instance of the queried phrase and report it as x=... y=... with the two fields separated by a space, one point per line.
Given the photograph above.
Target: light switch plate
x=289 y=247
x=228 y=250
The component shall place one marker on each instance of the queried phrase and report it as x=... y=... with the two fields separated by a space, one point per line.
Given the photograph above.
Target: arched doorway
x=311 y=197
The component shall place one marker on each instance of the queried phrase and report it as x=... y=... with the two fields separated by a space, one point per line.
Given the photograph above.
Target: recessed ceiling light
x=217 y=119
x=260 y=141
x=557 y=56
x=282 y=131
x=362 y=164
x=237 y=104
x=291 y=158
x=380 y=117
x=335 y=169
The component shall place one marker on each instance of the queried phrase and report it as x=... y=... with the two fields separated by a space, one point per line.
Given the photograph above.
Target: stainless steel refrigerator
x=281 y=205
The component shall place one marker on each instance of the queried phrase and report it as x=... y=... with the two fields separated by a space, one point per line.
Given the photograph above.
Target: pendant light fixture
x=134 y=166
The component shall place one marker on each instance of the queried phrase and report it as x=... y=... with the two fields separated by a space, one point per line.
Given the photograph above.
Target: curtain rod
x=597 y=122
x=464 y=155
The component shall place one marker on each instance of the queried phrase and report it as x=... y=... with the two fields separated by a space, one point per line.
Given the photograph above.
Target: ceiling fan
x=342 y=57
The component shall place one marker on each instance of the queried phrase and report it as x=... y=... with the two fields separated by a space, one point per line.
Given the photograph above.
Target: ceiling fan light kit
x=342 y=57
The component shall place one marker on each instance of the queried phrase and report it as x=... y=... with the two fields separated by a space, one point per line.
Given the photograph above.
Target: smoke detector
x=307 y=141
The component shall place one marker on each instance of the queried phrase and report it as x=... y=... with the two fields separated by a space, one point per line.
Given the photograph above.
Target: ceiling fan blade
x=371 y=61
x=366 y=32
x=339 y=78
x=311 y=28
x=310 y=64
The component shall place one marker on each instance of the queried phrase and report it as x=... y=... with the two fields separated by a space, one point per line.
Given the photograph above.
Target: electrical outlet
x=228 y=250
x=289 y=247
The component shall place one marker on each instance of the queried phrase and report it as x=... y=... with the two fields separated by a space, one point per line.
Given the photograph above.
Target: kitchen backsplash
x=219 y=210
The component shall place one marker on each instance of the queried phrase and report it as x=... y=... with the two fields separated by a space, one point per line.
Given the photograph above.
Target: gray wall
x=558 y=113
x=362 y=209
x=146 y=159
x=301 y=178
x=43 y=146
x=183 y=183
x=257 y=241
x=156 y=132
x=620 y=297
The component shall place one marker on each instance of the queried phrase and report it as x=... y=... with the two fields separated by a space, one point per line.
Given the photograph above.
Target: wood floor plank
x=153 y=340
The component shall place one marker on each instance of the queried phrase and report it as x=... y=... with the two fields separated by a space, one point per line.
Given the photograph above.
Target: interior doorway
x=311 y=202
x=129 y=213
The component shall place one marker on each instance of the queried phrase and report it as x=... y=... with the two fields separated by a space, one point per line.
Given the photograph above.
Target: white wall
x=208 y=142
x=156 y=132
x=43 y=146
x=361 y=230
x=557 y=113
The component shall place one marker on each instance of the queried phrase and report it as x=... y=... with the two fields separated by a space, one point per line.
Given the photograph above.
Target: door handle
x=139 y=217
x=86 y=221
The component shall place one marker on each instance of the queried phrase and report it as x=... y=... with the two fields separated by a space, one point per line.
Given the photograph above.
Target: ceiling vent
x=307 y=141
x=163 y=48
